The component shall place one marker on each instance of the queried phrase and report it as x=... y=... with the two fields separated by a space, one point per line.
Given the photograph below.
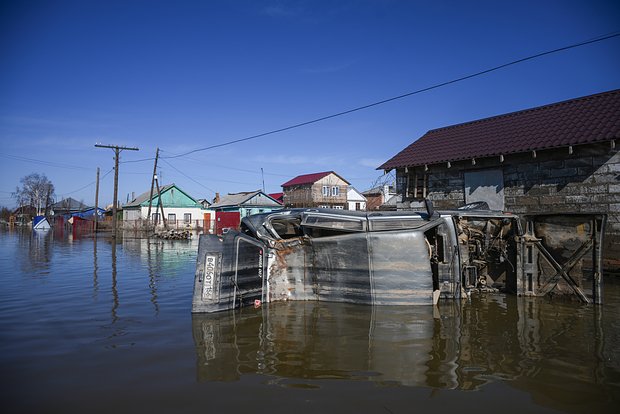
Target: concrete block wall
x=554 y=181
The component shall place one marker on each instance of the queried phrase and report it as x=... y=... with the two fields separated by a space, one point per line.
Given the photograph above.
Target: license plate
x=208 y=281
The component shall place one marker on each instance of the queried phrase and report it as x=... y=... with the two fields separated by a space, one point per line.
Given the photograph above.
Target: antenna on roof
x=263 y=178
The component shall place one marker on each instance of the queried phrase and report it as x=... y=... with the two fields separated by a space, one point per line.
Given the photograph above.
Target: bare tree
x=36 y=191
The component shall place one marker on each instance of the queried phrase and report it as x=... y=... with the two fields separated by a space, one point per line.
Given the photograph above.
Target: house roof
x=237 y=199
x=310 y=178
x=69 y=204
x=354 y=195
x=145 y=196
x=277 y=196
x=584 y=120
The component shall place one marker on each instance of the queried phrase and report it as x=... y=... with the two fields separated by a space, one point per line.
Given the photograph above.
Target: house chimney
x=217 y=198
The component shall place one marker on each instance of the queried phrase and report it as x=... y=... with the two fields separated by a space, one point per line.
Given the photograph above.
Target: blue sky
x=184 y=75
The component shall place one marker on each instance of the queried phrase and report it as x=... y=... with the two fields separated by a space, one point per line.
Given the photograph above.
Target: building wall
x=373 y=201
x=586 y=181
x=133 y=216
x=354 y=205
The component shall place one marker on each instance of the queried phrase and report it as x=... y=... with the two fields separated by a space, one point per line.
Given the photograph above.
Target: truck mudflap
x=561 y=254
x=230 y=272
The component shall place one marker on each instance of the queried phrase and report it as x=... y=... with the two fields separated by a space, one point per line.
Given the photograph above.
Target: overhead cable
x=436 y=86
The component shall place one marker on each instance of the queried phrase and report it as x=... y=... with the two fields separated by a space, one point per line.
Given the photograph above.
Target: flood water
x=89 y=326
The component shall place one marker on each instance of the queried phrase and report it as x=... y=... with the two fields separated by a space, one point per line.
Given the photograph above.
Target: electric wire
x=89 y=184
x=43 y=162
x=426 y=89
x=188 y=177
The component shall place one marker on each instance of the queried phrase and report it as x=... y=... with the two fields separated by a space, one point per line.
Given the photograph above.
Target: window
x=325 y=225
x=155 y=218
x=335 y=191
x=187 y=218
x=325 y=190
x=172 y=218
x=338 y=207
x=358 y=206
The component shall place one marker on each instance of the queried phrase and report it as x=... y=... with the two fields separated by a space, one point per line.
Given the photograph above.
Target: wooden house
x=323 y=190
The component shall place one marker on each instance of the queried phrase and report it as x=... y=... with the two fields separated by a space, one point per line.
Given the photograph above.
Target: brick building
x=561 y=157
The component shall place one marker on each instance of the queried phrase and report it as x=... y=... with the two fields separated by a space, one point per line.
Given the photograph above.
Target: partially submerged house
x=231 y=208
x=180 y=210
x=561 y=157
x=68 y=206
x=324 y=190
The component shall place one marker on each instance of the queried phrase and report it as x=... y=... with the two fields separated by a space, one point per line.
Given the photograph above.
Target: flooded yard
x=92 y=325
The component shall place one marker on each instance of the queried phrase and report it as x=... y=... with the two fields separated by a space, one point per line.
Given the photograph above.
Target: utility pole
x=160 y=204
x=148 y=215
x=97 y=201
x=117 y=149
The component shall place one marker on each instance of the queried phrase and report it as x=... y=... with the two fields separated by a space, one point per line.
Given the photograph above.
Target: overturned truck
x=398 y=258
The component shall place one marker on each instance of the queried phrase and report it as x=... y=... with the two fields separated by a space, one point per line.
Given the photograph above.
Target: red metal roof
x=583 y=120
x=277 y=196
x=307 y=178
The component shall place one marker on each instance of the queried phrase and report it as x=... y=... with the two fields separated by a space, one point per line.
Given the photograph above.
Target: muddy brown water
x=89 y=325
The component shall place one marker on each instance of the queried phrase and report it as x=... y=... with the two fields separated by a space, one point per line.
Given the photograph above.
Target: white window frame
x=325 y=191
x=172 y=218
x=335 y=191
x=187 y=218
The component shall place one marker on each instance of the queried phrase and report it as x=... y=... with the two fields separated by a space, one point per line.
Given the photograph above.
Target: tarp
x=40 y=223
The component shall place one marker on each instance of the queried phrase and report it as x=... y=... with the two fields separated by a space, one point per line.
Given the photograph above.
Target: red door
x=226 y=220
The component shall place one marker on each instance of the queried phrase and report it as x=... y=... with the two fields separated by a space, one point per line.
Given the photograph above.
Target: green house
x=179 y=209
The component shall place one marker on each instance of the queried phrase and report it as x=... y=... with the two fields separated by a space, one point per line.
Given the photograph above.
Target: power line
x=43 y=162
x=89 y=184
x=405 y=95
x=187 y=176
x=226 y=167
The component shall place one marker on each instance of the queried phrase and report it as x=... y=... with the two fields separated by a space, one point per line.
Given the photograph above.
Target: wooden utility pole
x=117 y=149
x=160 y=203
x=148 y=215
x=97 y=201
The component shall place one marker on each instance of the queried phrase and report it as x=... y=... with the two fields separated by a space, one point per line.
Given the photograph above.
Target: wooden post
x=117 y=149
x=148 y=215
x=160 y=204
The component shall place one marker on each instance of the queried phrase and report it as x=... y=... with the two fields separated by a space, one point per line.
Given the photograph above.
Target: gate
x=226 y=220
x=562 y=254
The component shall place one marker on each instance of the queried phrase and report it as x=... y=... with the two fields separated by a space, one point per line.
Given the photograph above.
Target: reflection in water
x=454 y=346
x=115 y=327
x=115 y=300
x=95 y=269
x=39 y=246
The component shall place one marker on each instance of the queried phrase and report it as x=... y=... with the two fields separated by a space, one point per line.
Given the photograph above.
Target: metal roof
x=136 y=202
x=584 y=120
x=238 y=199
x=310 y=178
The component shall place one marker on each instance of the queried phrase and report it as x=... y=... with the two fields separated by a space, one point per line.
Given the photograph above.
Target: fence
x=141 y=224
